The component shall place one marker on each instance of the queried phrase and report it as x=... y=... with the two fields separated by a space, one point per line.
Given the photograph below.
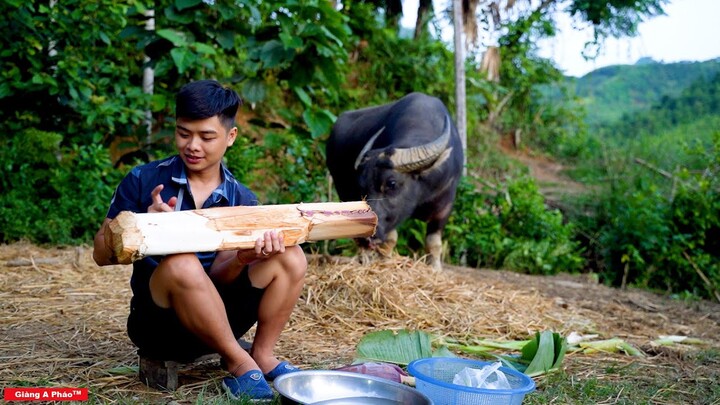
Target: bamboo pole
x=134 y=236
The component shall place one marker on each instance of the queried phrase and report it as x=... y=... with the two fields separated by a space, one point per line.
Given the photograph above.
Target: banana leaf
x=540 y=355
x=399 y=347
x=543 y=353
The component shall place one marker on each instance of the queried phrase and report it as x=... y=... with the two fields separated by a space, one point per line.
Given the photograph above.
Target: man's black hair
x=205 y=99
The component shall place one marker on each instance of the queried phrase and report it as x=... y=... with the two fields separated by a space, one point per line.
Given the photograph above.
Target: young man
x=186 y=305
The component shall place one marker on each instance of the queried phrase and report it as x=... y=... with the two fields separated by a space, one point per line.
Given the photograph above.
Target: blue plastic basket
x=434 y=376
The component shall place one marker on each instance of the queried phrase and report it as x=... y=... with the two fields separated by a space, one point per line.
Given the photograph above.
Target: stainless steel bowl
x=330 y=387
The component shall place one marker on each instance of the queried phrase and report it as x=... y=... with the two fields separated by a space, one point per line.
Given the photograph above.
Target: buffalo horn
x=419 y=157
x=367 y=147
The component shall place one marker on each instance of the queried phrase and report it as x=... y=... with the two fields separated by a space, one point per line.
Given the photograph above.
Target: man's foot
x=251 y=385
x=283 y=368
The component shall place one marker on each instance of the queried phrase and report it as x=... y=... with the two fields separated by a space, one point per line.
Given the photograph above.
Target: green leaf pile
x=399 y=347
x=543 y=353
x=539 y=355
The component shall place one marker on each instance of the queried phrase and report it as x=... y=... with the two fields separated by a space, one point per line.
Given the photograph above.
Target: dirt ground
x=63 y=318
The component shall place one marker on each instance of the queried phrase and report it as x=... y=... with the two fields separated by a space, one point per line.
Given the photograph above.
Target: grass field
x=63 y=325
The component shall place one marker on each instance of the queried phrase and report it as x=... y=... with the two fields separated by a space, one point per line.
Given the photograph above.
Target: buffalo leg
x=386 y=248
x=433 y=245
x=365 y=255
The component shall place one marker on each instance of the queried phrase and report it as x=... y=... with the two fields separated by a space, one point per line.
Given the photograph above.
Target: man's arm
x=229 y=264
x=102 y=245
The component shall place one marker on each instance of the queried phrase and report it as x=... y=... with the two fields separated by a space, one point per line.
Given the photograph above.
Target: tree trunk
x=424 y=7
x=134 y=236
x=460 y=109
x=148 y=77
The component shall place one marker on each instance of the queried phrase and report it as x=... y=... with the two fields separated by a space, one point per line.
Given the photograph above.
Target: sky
x=689 y=31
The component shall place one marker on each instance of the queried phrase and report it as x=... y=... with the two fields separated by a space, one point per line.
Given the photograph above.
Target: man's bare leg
x=180 y=282
x=282 y=276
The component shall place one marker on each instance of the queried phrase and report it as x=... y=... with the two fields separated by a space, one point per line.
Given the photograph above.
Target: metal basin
x=330 y=387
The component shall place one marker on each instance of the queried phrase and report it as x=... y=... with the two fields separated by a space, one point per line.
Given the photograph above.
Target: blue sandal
x=283 y=368
x=250 y=385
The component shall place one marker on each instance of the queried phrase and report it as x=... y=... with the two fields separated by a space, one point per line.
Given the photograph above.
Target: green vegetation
x=542 y=353
x=656 y=201
x=74 y=112
x=55 y=193
x=695 y=103
x=510 y=228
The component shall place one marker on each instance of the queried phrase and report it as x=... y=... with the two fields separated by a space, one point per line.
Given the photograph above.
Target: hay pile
x=63 y=317
x=342 y=302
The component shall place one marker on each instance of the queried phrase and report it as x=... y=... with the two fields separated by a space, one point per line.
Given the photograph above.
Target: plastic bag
x=482 y=378
x=383 y=370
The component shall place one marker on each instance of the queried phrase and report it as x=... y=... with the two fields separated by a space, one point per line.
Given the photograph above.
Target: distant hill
x=661 y=132
x=698 y=100
x=610 y=92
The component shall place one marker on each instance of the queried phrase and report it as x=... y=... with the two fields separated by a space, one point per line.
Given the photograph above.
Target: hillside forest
x=77 y=112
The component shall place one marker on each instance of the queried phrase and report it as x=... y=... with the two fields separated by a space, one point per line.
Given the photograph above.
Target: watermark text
x=45 y=394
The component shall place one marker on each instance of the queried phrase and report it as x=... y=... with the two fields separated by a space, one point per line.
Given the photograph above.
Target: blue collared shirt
x=134 y=194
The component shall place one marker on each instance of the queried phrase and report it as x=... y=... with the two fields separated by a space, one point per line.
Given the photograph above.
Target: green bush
x=242 y=159
x=634 y=230
x=387 y=67
x=63 y=70
x=55 y=194
x=511 y=229
x=294 y=168
x=655 y=235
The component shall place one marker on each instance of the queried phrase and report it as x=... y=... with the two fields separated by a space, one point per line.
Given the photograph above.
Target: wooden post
x=134 y=236
x=460 y=107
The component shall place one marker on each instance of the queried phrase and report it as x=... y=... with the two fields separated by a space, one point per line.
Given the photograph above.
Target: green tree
x=62 y=70
x=282 y=46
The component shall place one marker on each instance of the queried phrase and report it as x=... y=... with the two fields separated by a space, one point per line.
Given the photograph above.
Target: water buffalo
x=405 y=158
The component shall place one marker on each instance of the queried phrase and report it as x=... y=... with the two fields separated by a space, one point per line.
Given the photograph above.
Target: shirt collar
x=224 y=190
x=178 y=170
x=179 y=176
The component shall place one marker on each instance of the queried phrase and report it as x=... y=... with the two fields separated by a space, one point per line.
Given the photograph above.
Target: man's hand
x=109 y=244
x=103 y=249
x=226 y=268
x=270 y=244
x=158 y=204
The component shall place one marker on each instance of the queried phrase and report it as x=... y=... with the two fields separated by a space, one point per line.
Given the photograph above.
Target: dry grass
x=63 y=317
x=342 y=302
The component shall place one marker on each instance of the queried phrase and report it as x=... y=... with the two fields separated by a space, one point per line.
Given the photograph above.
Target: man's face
x=202 y=143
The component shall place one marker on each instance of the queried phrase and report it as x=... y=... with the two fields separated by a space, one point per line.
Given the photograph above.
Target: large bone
x=134 y=236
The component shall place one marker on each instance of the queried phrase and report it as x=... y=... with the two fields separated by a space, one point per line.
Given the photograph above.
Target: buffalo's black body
x=409 y=170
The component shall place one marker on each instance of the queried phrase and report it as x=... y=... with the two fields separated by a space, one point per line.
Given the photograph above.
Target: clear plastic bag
x=488 y=377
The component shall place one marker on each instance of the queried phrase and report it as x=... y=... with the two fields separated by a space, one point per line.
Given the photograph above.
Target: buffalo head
x=391 y=179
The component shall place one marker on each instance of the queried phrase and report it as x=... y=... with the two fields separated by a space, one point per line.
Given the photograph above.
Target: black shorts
x=158 y=333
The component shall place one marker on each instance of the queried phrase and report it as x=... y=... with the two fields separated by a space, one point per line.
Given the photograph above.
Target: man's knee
x=179 y=271
x=289 y=266
x=294 y=262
